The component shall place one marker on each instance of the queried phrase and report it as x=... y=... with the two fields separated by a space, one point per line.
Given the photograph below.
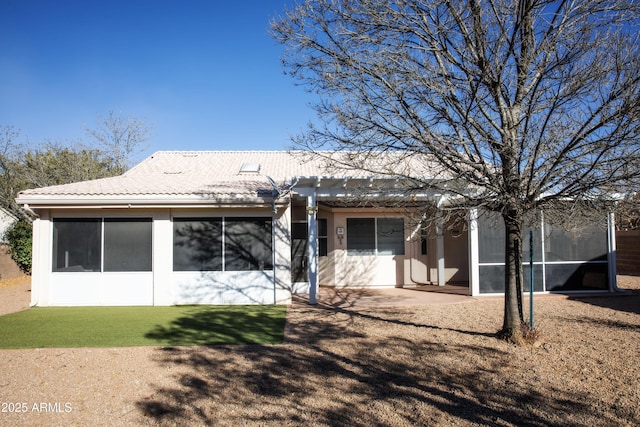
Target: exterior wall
x=628 y=252
x=326 y=264
x=343 y=270
x=456 y=255
x=6 y=221
x=413 y=268
x=282 y=252
x=161 y=286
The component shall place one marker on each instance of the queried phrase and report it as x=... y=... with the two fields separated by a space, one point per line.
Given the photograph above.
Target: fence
x=628 y=252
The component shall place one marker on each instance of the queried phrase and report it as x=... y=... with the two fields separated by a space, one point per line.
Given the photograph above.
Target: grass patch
x=142 y=326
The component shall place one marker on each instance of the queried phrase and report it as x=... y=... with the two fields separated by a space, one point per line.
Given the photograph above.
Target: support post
x=440 y=252
x=611 y=252
x=312 y=247
x=474 y=253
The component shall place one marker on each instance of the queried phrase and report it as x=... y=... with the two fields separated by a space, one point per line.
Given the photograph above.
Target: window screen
x=76 y=244
x=197 y=244
x=361 y=236
x=371 y=236
x=390 y=234
x=248 y=244
x=127 y=245
x=323 y=237
x=491 y=238
x=588 y=244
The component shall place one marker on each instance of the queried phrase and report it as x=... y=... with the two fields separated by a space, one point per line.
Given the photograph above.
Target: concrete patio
x=381 y=297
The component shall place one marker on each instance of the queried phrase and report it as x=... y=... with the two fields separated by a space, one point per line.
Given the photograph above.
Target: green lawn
x=142 y=326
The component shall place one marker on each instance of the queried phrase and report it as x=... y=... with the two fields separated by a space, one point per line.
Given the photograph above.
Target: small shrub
x=19 y=237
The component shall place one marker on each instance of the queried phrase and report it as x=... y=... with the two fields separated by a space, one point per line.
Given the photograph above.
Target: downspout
x=412 y=249
x=273 y=258
x=276 y=193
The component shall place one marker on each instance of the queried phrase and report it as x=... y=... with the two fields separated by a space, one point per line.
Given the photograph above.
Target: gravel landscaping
x=356 y=365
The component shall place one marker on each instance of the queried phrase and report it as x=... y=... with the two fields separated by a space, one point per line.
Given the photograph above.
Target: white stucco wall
x=343 y=270
x=161 y=286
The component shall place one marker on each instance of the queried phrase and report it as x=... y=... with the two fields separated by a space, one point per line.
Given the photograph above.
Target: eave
x=36 y=202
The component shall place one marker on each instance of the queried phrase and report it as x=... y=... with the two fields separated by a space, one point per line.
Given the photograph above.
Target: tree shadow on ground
x=204 y=325
x=338 y=368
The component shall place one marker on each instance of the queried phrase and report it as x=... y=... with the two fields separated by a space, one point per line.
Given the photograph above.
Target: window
x=222 y=244
x=247 y=244
x=323 y=237
x=361 y=236
x=76 y=244
x=79 y=245
x=390 y=236
x=375 y=236
x=127 y=245
x=197 y=244
x=250 y=168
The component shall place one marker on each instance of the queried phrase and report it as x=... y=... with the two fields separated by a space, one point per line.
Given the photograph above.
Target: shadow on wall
x=234 y=260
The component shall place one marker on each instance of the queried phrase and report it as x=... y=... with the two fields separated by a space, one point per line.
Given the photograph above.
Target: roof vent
x=250 y=168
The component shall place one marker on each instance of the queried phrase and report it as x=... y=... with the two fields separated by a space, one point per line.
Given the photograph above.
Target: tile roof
x=217 y=174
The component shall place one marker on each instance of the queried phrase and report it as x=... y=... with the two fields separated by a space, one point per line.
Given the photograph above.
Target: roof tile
x=193 y=173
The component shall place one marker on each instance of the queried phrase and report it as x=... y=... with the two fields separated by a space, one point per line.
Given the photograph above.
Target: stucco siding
x=218 y=287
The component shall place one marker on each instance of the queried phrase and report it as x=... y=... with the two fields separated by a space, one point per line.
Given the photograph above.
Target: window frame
x=375 y=250
x=263 y=263
x=323 y=237
x=213 y=262
x=101 y=243
x=225 y=250
x=93 y=239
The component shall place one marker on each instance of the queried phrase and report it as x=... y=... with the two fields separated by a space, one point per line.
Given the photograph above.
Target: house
x=254 y=227
x=7 y=219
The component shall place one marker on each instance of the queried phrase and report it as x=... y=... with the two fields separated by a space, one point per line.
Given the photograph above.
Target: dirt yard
x=433 y=364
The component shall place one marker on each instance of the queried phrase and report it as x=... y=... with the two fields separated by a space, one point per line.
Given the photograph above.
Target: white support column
x=312 y=247
x=42 y=246
x=611 y=252
x=474 y=253
x=440 y=252
x=162 y=258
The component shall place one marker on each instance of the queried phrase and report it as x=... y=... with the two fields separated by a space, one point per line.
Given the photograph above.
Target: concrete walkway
x=383 y=297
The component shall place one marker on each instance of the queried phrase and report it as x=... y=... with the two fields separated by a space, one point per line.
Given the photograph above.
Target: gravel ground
x=357 y=366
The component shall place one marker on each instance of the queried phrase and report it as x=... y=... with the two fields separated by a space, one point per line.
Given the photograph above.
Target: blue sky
x=205 y=74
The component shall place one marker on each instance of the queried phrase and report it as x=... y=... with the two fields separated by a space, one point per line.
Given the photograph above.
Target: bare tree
x=521 y=104
x=120 y=137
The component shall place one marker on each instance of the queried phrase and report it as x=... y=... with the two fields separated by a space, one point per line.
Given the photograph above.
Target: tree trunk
x=513 y=247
